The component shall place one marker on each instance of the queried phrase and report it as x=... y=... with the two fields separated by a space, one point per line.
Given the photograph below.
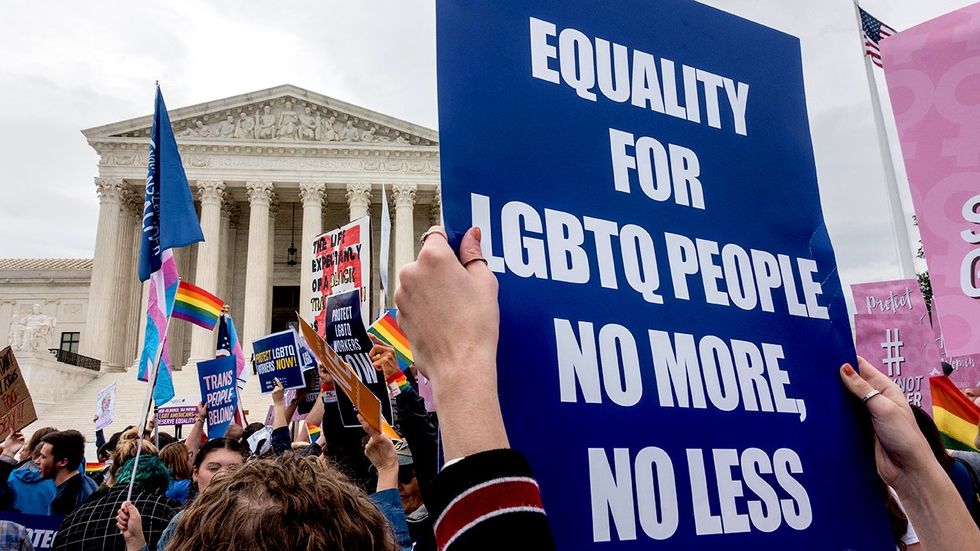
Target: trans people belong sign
x=644 y=179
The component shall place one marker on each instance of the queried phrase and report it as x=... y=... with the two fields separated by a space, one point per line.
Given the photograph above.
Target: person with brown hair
x=124 y=451
x=287 y=502
x=176 y=457
x=29 y=491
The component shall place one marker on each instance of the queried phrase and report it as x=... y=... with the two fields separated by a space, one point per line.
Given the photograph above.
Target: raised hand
x=383 y=357
x=130 y=524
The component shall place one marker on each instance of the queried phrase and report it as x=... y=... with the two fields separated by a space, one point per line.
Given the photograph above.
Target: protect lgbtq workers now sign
x=643 y=176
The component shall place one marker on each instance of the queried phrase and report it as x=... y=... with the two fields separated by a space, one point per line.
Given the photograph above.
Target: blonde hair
x=176 y=457
x=126 y=450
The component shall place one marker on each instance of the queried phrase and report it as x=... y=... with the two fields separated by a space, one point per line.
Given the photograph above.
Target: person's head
x=215 y=455
x=408 y=484
x=165 y=439
x=296 y=502
x=935 y=440
x=61 y=451
x=151 y=475
x=234 y=432
x=126 y=449
x=251 y=429
x=176 y=457
x=40 y=433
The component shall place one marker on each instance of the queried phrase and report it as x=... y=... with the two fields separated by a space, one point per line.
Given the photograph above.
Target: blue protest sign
x=671 y=316
x=346 y=334
x=41 y=529
x=217 y=379
x=276 y=356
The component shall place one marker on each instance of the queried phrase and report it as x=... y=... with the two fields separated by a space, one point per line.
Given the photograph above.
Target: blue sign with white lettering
x=41 y=530
x=218 y=391
x=671 y=316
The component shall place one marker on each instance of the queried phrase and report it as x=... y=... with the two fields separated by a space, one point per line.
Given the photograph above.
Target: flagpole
x=903 y=244
x=152 y=383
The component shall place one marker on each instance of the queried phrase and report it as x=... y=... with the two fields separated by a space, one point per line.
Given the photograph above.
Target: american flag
x=874 y=32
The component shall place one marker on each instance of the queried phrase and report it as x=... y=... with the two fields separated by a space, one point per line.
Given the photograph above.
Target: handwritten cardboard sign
x=16 y=405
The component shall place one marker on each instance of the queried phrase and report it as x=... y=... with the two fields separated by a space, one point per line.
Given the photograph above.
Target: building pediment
x=282 y=115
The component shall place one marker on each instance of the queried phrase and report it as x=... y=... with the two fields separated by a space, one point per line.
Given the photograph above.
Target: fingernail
x=847 y=369
x=477 y=233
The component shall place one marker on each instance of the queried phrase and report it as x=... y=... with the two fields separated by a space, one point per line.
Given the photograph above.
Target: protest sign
x=105 y=407
x=902 y=347
x=177 y=412
x=347 y=336
x=306 y=359
x=16 y=405
x=217 y=378
x=900 y=296
x=341 y=262
x=312 y=378
x=276 y=356
x=668 y=292
x=966 y=370
x=344 y=377
x=41 y=529
x=930 y=70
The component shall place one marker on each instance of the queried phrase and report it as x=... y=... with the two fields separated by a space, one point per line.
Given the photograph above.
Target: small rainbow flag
x=386 y=329
x=197 y=306
x=314 y=431
x=956 y=416
x=94 y=467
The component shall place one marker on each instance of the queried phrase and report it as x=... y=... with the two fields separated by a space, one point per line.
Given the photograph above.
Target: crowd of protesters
x=452 y=483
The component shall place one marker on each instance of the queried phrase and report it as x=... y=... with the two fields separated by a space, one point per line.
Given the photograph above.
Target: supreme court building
x=270 y=171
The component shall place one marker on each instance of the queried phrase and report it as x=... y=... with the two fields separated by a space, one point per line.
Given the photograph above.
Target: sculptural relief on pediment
x=288 y=119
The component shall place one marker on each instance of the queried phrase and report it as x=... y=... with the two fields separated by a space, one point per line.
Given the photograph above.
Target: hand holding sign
x=383 y=357
x=448 y=308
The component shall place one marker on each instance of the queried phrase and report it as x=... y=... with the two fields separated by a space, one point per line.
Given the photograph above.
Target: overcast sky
x=69 y=65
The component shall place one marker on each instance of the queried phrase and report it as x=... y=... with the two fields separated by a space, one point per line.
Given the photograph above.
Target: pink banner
x=932 y=71
x=903 y=348
x=901 y=296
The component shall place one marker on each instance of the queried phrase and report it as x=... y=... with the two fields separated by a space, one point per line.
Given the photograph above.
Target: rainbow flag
x=94 y=467
x=955 y=415
x=314 y=431
x=197 y=306
x=386 y=329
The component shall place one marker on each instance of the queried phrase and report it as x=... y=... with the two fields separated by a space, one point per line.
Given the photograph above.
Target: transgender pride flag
x=169 y=221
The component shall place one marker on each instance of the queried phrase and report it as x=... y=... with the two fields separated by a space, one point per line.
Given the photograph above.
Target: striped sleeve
x=489 y=500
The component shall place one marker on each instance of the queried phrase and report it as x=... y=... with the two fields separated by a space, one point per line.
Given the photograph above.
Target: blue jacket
x=32 y=494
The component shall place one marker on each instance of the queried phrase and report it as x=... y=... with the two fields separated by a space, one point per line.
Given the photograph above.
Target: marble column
x=229 y=236
x=211 y=194
x=257 y=269
x=127 y=282
x=273 y=214
x=95 y=340
x=358 y=199
x=404 y=197
x=435 y=210
x=312 y=195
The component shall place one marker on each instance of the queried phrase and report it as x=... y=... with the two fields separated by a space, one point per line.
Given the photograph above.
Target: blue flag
x=169 y=218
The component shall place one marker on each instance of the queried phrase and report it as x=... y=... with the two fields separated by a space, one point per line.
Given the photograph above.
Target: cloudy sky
x=68 y=65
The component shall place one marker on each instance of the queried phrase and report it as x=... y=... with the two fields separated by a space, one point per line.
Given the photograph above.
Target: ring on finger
x=430 y=232
x=478 y=259
x=870 y=395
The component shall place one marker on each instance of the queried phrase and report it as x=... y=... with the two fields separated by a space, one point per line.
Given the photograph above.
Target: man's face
x=46 y=463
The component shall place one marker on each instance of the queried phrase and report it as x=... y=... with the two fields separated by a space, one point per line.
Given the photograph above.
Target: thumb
x=470 y=250
x=376 y=340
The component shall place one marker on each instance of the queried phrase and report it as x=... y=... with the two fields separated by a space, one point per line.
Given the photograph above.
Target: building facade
x=270 y=171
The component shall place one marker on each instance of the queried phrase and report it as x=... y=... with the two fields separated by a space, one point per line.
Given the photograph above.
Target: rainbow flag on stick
x=386 y=329
x=91 y=468
x=955 y=415
x=197 y=306
x=314 y=431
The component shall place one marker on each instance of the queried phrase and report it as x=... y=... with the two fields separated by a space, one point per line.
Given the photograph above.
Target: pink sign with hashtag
x=932 y=71
x=903 y=348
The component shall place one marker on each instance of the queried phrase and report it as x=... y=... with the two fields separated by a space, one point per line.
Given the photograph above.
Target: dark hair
x=217 y=444
x=66 y=444
x=250 y=429
x=935 y=440
x=165 y=439
x=39 y=435
x=299 y=503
